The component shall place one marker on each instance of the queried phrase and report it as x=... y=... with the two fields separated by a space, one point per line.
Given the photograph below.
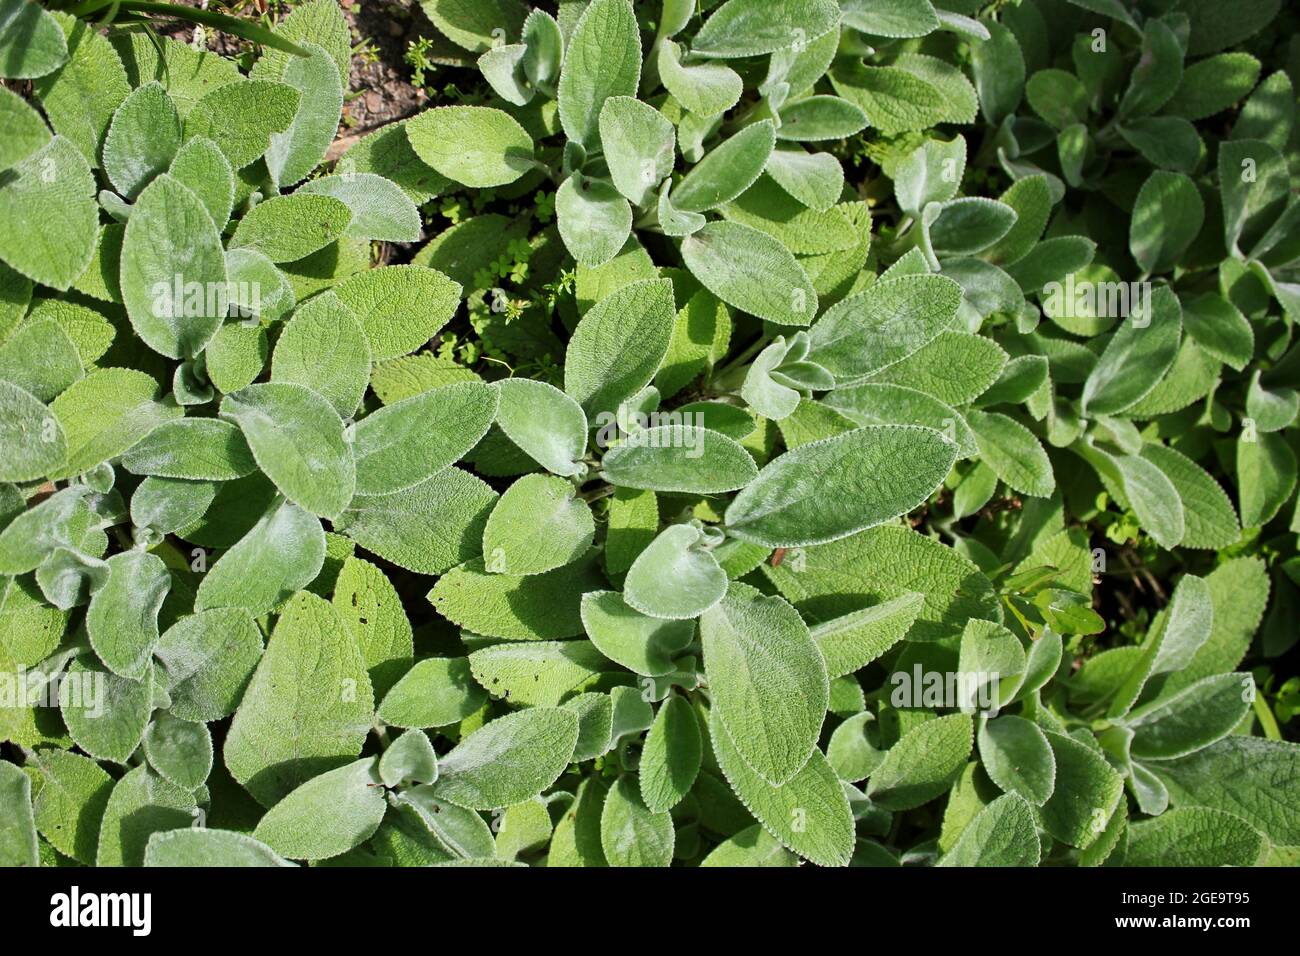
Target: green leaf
x=809 y=814
x=108 y=719
x=970 y=224
x=814 y=179
x=1190 y=719
x=367 y=601
x=326 y=816
x=399 y=307
x=282 y=552
x=1087 y=791
x=411 y=758
x=27 y=132
x=639 y=144
x=1194 y=836
x=1017 y=758
x=741 y=28
x=1266 y=476
x=1167 y=216
x=670 y=760
x=308 y=707
x=767 y=680
x=548 y=425
x=1001 y=834
x=1209 y=518
x=930 y=173
x=817 y=118
x=323 y=348
x=242 y=117
x=426 y=528
x=886 y=323
x=619 y=345
x=508 y=760
x=122 y=620
x=1013 y=452
x=380 y=209
x=407 y=442
x=208 y=848
x=294 y=153
x=32 y=43
x=179 y=750
x=748 y=269
x=286 y=228
x=18 y=827
x=603 y=59
x=68 y=809
x=1214 y=84
x=473 y=145
x=1253 y=183
x=630 y=833
x=47 y=203
x=676 y=577
x=142 y=140
x=805 y=496
x=536 y=607
x=194 y=448
x=298 y=441
x=851 y=641
x=923 y=764
x=705 y=89
x=894 y=100
x=80 y=97
x=881 y=404
x=537 y=673
x=1158 y=72
x=141 y=805
x=644 y=645
x=32 y=440
x=728 y=170
x=752 y=846
x=473 y=24
x=1147 y=341
x=678 y=458
x=537 y=525
x=436 y=692
x=208 y=658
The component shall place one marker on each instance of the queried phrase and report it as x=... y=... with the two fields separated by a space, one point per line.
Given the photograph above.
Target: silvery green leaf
x=818 y=118
x=815 y=179
x=107 y=719
x=676 y=576
x=141 y=805
x=173 y=270
x=457 y=832
x=328 y=815
x=503 y=68
x=122 y=620
x=242 y=116
x=537 y=525
x=179 y=750
x=407 y=442
x=61 y=520
x=1086 y=793
x=882 y=404
x=806 y=496
x=1017 y=758
x=673 y=221
x=208 y=848
x=142 y=140
x=1194 y=836
x=399 y=307
x=923 y=764
x=809 y=814
x=298 y=441
x=644 y=645
x=192 y=448
x=537 y=673
x=853 y=640
x=1013 y=452
x=752 y=271
x=676 y=458
x=536 y=607
x=509 y=759
x=670 y=760
x=850 y=752
x=595 y=724
x=380 y=209
x=410 y=758
x=548 y=425
x=603 y=59
x=296 y=151
x=1167 y=215
x=639 y=144
x=1001 y=834
x=436 y=692
x=990 y=657
x=741 y=28
x=1266 y=475
x=593 y=218
x=32 y=440
x=202 y=167
x=474 y=24
x=1158 y=72
x=969 y=225
x=105 y=413
x=68 y=578
x=427 y=528
x=753 y=846
x=17 y=825
x=630 y=833
x=545 y=42
x=287 y=228
x=70 y=803
x=705 y=89
x=40 y=358
x=892 y=18
x=51 y=192
x=307 y=709
x=1190 y=719
x=767 y=680
x=883 y=325
x=32 y=42
x=768 y=397
x=728 y=169
x=475 y=146
x=281 y=553
x=207 y=659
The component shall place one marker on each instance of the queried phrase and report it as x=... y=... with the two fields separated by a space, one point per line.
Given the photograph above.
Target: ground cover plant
x=694 y=433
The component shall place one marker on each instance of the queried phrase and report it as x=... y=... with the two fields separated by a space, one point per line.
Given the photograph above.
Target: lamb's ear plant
x=710 y=433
